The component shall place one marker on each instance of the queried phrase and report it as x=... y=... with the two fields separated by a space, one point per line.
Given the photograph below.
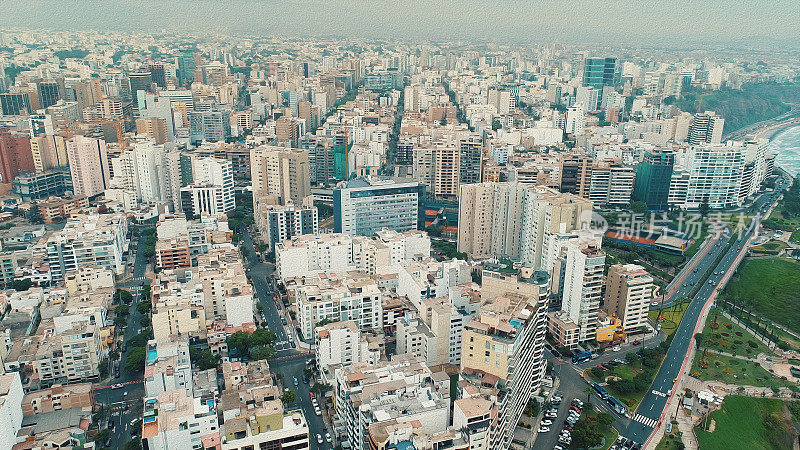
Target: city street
x=652 y=407
x=289 y=362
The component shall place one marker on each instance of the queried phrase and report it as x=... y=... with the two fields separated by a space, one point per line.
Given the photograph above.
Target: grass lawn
x=740 y=424
x=795 y=237
x=771 y=286
x=671 y=317
x=722 y=335
x=777 y=215
x=609 y=437
x=671 y=440
x=772 y=247
x=733 y=371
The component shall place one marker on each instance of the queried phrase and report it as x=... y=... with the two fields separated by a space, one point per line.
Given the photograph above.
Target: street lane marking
x=645 y=420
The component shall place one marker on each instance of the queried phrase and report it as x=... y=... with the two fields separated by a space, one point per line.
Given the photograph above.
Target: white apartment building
x=403 y=389
x=11 y=395
x=99 y=240
x=212 y=191
x=611 y=185
x=355 y=298
x=173 y=420
x=342 y=344
x=88 y=165
x=170 y=369
x=72 y=354
x=713 y=175
x=583 y=285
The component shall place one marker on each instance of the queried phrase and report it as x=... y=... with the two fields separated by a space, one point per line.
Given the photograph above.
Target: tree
x=203 y=359
x=144 y=307
x=133 y=444
x=260 y=307
x=245 y=253
x=101 y=435
x=120 y=321
x=137 y=356
x=639 y=207
x=259 y=352
x=704 y=208
x=288 y=397
x=239 y=342
x=123 y=296
x=320 y=388
x=23 y=284
x=34 y=215
x=122 y=310
x=144 y=321
x=262 y=337
x=102 y=367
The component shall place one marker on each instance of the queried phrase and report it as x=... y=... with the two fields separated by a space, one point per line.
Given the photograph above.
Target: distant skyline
x=608 y=22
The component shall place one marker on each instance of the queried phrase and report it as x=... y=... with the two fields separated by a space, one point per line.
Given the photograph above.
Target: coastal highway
x=676 y=363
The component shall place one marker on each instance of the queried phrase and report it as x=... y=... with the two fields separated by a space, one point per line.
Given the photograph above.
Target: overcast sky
x=611 y=21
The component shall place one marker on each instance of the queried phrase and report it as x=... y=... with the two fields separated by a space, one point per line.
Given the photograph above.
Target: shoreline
x=775 y=130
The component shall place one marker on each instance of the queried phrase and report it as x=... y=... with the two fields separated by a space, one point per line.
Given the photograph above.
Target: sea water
x=786 y=146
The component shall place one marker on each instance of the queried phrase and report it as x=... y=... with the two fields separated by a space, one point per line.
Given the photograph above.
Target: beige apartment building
x=629 y=291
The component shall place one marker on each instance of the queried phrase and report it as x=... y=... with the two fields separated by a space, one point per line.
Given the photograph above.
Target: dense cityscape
x=213 y=241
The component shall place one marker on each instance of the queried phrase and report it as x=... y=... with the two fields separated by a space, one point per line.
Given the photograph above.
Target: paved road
x=288 y=362
x=126 y=408
x=654 y=402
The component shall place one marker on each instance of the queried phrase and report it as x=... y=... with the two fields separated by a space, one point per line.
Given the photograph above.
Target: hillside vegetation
x=741 y=108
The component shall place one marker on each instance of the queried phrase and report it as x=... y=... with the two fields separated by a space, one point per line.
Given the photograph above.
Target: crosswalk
x=645 y=420
x=659 y=393
x=139 y=279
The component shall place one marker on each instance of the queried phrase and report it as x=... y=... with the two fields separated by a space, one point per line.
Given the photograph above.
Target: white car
x=317 y=411
x=328 y=437
x=543 y=429
x=616 y=348
x=546 y=422
x=319 y=438
x=551 y=415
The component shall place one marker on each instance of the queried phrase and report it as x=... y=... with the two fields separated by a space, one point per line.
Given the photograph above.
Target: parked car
x=544 y=429
x=328 y=437
x=319 y=438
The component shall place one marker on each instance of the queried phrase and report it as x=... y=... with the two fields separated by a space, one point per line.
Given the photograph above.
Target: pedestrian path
x=645 y=420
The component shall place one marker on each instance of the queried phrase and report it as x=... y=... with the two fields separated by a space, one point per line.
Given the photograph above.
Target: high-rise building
x=49 y=152
x=216 y=173
x=279 y=175
x=40 y=124
x=157 y=74
x=576 y=174
x=15 y=103
x=470 y=152
x=88 y=164
x=154 y=128
x=712 y=175
x=503 y=352
x=612 y=184
x=15 y=156
x=48 y=92
x=583 y=286
x=211 y=126
x=653 y=177
x=368 y=204
x=629 y=289
x=187 y=64
x=140 y=81
x=283 y=222
x=490 y=219
x=706 y=128
x=599 y=72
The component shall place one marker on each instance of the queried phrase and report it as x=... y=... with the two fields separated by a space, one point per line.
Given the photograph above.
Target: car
x=110 y=424
x=577 y=402
x=125 y=394
x=674 y=380
x=296 y=383
x=543 y=429
x=558 y=447
x=328 y=437
x=117 y=386
x=317 y=411
x=669 y=392
x=637 y=342
x=551 y=415
x=283 y=320
x=546 y=422
x=553 y=410
x=616 y=348
x=319 y=438
x=116 y=372
x=312 y=396
x=315 y=403
x=124 y=347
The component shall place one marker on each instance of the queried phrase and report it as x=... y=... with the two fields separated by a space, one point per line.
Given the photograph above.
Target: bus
x=581 y=357
x=616 y=405
x=601 y=391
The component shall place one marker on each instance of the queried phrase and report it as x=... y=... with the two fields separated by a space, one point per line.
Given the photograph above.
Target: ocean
x=786 y=146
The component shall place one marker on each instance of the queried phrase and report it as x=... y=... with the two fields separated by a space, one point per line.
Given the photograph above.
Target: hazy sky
x=612 y=21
